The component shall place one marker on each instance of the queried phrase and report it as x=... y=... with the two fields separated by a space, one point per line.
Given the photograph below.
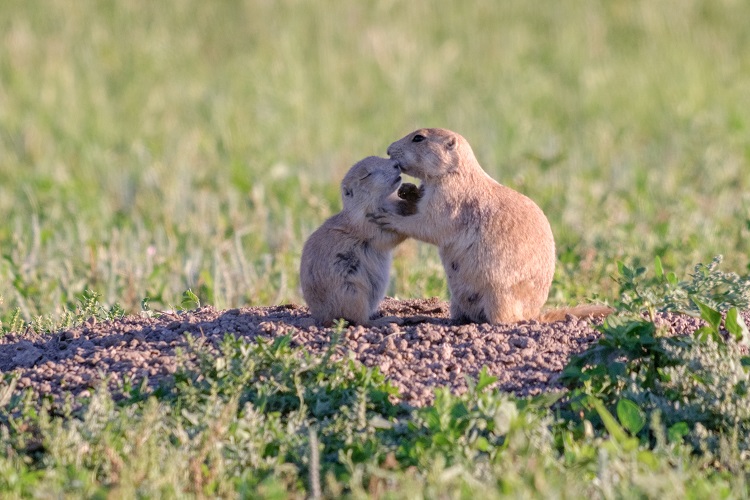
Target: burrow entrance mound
x=526 y=357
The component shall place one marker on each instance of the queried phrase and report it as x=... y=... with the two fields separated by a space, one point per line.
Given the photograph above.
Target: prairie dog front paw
x=410 y=195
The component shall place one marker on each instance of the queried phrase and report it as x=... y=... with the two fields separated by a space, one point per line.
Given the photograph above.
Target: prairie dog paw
x=409 y=195
x=410 y=192
x=381 y=218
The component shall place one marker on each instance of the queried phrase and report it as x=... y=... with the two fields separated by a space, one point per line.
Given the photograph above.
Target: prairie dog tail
x=582 y=311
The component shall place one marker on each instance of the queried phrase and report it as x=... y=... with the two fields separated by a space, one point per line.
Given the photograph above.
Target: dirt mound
x=526 y=357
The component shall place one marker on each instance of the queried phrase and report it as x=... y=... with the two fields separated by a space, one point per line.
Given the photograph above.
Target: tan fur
x=496 y=244
x=346 y=262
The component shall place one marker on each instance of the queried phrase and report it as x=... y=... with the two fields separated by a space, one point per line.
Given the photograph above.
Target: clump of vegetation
x=267 y=420
x=697 y=386
x=694 y=385
x=240 y=421
x=133 y=176
x=86 y=307
x=707 y=288
x=703 y=395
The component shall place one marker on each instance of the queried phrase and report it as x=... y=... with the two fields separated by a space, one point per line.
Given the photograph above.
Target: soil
x=526 y=357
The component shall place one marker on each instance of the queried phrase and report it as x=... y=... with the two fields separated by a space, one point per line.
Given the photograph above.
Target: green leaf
x=541 y=401
x=740 y=389
x=736 y=326
x=485 y=379
x=676 y=432
x=482 y=444
x=617 y=369
x=432 y=418
x=631 y=417
x=658 y=269
x=704 y=333
x=458 y=410
x=614 y=429
x=190 y=299
x=710 y=315
x=621 y=267
x=648 y=458
x=440 y=439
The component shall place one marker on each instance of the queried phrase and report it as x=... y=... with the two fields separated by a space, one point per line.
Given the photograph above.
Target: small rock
x=519 y=342
x=69 y=335
x=446 y=351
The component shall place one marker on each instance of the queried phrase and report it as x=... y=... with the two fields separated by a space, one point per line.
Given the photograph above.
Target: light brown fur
x=346 y=262
x=496 y=244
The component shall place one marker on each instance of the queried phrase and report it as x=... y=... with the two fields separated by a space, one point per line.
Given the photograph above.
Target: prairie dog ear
x=450 y=144
x=347 y=191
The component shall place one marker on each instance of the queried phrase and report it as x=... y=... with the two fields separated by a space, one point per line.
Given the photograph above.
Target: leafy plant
x=707 y=289
x=189 y=300
x=626 y=347
x=696 y=385
x=704 y=397
x=460 y=429
x=734 y=324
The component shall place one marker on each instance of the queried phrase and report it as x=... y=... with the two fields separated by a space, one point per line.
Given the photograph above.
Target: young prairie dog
x=346 y=262
x=495 y=244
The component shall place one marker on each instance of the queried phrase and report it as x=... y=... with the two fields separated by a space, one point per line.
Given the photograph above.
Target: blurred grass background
x=150 y=147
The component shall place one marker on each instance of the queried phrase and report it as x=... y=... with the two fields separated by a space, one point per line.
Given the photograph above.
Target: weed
x=266 y=418
x=708 y=287
x=189 y=300
x=696 y=385
x=86 y=308
x=626 y=347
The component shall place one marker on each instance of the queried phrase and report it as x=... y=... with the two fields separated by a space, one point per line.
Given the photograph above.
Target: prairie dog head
x=430 y=153
x=369 y=181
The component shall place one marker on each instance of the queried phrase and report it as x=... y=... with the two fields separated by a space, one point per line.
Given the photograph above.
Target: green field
x=148 y=148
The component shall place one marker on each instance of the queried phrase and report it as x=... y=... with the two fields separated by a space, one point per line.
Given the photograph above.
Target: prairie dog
x=495 y=244
x=346 y=262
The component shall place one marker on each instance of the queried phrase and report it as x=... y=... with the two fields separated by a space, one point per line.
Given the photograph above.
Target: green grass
x=147 y=148
x=268 y=421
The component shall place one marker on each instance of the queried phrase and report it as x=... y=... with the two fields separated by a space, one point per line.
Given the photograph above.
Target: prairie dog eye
x=418 y=138
x=366 y=176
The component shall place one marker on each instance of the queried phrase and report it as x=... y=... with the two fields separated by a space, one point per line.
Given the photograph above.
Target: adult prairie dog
x=346 y=262
x=495 y=244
